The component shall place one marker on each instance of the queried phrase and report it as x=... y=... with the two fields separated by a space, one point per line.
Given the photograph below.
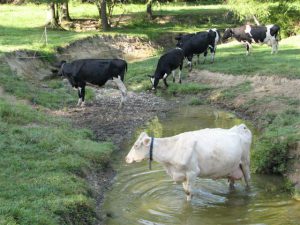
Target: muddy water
x=141 y=196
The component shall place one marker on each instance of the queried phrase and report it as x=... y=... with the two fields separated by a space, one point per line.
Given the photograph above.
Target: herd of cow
x=214 y=153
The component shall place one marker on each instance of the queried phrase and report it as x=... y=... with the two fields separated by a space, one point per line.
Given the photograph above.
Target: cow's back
x=94 y=72
x=170 y=61
x=218 y=151
x=196 y=44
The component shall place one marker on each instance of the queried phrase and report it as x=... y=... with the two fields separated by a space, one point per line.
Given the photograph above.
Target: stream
x=150 y=197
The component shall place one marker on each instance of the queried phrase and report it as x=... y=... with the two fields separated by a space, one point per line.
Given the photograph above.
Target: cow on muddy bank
x=249 y=34
x=168 y=63
x=96 y=72
x=208 y=153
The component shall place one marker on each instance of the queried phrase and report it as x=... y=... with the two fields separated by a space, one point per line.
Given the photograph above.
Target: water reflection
x=140 y=196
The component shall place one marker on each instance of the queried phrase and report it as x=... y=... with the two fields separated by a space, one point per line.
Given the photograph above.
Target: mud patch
x=108 y=122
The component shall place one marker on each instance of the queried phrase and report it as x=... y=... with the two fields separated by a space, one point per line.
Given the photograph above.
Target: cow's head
x=179 y=40
x=227 y=34
x=61 y=68
x=243 y=131
x=140 y=150
x=154 y=81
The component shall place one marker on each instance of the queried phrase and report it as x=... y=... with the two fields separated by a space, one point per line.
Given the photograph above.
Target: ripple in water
x=141 y=196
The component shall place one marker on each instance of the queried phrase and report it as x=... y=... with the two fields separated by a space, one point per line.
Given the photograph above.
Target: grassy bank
x=44 y=163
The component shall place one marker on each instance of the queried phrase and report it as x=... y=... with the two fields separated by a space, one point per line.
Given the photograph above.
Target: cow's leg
x=173 y=74
x=231 y=184
x=212 y=53
x=274 y=44
x=179 y=73
x=198 y=59
x=246 y=173
x=190 y=60
x=205 y=55
x=79 y=96
x=83 y=96
x=189 y=184
x=248 y=46
x=122 y=88
x=165 y=82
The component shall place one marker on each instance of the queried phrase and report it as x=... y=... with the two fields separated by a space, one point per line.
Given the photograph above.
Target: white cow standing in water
x=207 y=153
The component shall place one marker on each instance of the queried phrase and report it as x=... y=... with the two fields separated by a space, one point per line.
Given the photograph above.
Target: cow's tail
x=126 y=66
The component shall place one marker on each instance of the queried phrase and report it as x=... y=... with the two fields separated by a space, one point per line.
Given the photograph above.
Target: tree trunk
x=104 y=20
x=52 y=21
x=64 y=16
x=149 y=10
x=101 y=5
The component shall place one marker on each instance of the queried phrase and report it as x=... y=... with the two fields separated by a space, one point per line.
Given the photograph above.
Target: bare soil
x=111 y=123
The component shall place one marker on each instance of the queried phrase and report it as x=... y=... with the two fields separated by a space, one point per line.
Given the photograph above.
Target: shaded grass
x=42 y=168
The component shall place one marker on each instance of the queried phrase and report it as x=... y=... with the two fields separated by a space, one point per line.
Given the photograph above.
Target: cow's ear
x=146 y=141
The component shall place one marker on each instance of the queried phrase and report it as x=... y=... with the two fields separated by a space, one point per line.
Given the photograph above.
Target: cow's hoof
x=82 y=105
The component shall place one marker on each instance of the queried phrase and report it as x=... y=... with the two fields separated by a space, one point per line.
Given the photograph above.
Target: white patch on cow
x=119 y=77
x=152 y=80
x=271 y=40
x=173 y=74
x=165 y=76
x=189 y=63
x=248 y=30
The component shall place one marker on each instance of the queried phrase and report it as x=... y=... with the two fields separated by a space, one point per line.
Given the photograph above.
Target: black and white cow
x=199 y=43
x=259 y=34
x=168 y=63
x=94 y=71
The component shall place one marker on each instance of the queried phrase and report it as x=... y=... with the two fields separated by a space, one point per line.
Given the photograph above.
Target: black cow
x=168 y=63
x=258 y=34
x=199 y=43
x=94 y=71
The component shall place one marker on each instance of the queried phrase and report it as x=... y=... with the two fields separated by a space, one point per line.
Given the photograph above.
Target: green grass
x=49 y=93
x=271 y=151
x=231 y=59
x=42 y=168
x=20 y=31
x=233 y=92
